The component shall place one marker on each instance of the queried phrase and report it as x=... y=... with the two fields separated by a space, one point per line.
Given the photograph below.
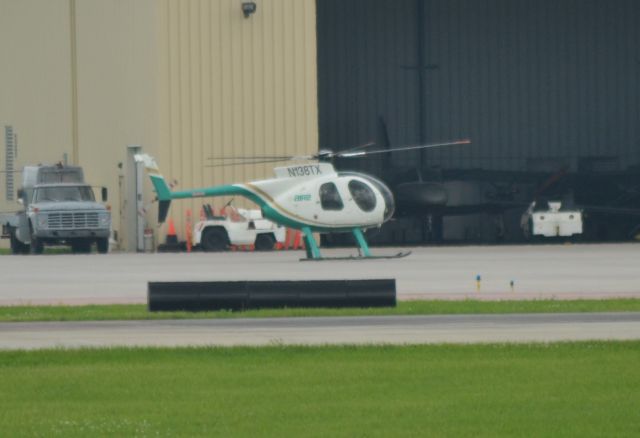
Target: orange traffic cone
x=172 y=238
x=297 y=240
x=171 y=241
x=288 y=243
x=188 y=230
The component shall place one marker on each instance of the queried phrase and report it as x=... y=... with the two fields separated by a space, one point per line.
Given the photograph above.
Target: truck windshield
x=57 y=194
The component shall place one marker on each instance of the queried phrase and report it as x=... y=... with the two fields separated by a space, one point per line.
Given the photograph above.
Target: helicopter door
x=330 y=199
x=331 y=211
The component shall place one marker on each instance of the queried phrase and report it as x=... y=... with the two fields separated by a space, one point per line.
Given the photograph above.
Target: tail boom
x=165 y=195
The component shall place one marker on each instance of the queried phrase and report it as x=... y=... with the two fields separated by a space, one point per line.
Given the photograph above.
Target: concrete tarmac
x=538 y=271
x=324 y=331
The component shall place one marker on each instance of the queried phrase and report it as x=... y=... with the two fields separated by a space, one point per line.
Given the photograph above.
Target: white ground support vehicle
x=237 y=227
x=542 y=220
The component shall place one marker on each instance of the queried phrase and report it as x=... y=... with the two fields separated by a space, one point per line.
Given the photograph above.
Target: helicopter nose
x=389 y=208
x=389 y=201
x=385 y=193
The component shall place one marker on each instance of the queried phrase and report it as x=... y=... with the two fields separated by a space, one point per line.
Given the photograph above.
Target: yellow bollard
x=478 y=281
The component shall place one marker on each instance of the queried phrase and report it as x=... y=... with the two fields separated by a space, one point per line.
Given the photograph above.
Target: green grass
x=139 y=311
x=567 y=389
x=47 y=250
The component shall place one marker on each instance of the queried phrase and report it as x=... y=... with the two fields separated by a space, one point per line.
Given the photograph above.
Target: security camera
x=248 y=8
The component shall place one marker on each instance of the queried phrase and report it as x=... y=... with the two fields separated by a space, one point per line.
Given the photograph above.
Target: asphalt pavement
x=537 y=271
x=324 y=331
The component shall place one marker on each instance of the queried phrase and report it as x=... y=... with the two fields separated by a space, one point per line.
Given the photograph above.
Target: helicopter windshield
x=387 y=196
x=362 y=194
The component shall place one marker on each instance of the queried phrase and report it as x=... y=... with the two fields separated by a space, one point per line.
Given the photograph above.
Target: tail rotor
x=163 y=191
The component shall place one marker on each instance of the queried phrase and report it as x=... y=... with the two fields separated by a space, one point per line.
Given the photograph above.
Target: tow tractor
x=236 y=226
x=549 y=219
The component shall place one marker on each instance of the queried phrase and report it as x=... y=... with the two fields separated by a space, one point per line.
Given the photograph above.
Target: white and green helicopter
x=307 y=197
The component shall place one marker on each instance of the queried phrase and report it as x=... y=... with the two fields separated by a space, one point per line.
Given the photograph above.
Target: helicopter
x=310 y=197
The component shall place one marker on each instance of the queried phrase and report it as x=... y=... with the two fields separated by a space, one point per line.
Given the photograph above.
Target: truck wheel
x=265 y=242
x=103 y=245
x=36 y=247
x=17 y=247
x=214 y=239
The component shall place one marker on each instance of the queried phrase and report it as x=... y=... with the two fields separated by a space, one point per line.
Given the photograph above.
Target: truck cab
x=58 y=208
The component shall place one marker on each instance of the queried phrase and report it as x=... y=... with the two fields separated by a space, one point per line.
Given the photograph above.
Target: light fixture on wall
x=248 y=8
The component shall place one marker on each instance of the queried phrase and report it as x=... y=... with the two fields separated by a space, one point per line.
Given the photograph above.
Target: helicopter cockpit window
x=329 y=197
x=362 y=195
x=387 y=196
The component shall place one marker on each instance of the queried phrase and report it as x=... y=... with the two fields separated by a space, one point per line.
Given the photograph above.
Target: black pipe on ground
x=244 y=295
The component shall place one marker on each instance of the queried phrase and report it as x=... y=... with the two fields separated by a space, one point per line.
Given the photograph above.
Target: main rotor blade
x=355 y=148
x=247 y=162
x=406 y=148
x=255 y=157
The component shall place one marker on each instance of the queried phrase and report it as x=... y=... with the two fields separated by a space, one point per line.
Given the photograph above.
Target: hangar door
x=546 y=81
x=522 y=79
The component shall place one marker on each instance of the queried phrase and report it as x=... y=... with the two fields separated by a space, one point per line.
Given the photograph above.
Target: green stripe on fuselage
x=275 y=216
x=268 y=211
x=228 y=190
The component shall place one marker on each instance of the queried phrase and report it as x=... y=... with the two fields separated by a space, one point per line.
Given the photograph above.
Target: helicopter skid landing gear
x=313 y=252
x=392 y=256
x=310 y=245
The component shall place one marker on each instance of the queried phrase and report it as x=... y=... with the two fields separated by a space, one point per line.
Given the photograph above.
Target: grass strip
x=47 y=250
x=565 y=389
x=435 y=307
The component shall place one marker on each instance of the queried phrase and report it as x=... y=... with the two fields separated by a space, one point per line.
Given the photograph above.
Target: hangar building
x=547 y=91
x=96 y=80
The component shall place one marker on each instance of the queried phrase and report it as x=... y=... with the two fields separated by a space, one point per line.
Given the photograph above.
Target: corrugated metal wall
x=522 y=79
x=114 y=94
x=79 y=80
x=185 y=79
x=34 y=86
x=234 y=86
x=366 y=74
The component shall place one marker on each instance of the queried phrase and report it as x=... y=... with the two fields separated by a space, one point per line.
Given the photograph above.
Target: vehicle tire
x=102 y=243
x=214 y=239
x=265 y=242
x=15 y=243
x=17 y=247
x=36 y=246
x=81 y=246
x=575 y=238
